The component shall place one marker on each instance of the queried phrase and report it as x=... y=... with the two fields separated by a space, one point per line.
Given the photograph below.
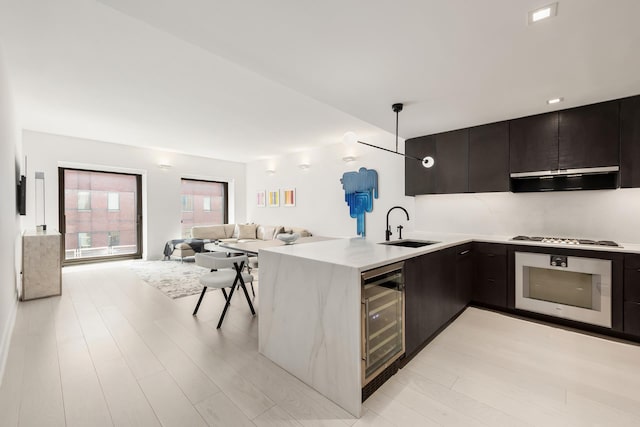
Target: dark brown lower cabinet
x=490 y=274
x=464 y=276
x=437 y=287
x=631 y=322
x=632 y=318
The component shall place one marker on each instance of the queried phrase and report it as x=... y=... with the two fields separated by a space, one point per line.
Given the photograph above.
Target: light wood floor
x=114 y=351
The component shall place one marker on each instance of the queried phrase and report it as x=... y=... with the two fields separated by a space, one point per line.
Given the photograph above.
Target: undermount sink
x=408 y=243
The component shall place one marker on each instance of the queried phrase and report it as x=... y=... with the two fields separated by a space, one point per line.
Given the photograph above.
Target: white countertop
x=364 y=254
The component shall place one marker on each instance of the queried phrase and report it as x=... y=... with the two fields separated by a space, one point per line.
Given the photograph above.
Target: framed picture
x=274 y=198
x=289 y=197
x=261 y=199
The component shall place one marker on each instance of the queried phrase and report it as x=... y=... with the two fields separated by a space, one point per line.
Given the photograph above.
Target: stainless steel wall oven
x=570 y=287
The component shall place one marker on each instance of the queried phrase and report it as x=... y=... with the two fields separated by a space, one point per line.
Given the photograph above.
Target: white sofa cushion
x=211 y=232
x=246 y=231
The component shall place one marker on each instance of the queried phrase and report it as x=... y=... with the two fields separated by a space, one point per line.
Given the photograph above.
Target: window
x=113 y=238
x=84 y=240
x=101 y=214
x=113 y=201
x=203 y=203
x=187 y=203
x=84 y=200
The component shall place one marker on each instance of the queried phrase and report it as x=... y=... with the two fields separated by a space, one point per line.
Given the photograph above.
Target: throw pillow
x=247 y=231
x=265 y=232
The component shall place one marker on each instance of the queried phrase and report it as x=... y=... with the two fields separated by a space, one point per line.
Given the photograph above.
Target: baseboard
x=5 y=339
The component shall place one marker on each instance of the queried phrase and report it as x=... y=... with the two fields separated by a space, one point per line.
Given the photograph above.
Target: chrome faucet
x=388 y=230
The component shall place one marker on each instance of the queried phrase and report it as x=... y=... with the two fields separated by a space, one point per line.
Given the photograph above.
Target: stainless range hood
x=600 y=178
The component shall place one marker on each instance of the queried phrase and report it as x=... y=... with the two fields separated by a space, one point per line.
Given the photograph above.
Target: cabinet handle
x=366 y=332
x=491 y=280
x=491 y=255
x=468 y=250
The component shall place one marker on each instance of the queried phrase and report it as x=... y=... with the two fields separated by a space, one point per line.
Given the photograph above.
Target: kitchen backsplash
x=601 y=214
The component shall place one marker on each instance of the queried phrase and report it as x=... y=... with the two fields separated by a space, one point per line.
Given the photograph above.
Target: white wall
x=161 y=188
x=321 y=206
x=601 y=214
x=10 y=258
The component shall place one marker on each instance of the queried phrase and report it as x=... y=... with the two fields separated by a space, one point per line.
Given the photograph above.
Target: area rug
x=173 y=278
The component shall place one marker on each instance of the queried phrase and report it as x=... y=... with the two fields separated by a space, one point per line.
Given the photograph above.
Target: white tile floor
x=114 y=351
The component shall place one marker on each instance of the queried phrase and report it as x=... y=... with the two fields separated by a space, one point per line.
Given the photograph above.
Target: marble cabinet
x=41 y=264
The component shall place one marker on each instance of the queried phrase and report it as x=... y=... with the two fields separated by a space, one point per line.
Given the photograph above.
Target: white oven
x=571 y=287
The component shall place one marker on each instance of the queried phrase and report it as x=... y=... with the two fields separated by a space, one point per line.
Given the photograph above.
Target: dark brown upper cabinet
x=534 y=143
x=418 y=179
x=452 y=162
x=630 y=142
x=450 y=171
x=489 y=158
x=589 y=136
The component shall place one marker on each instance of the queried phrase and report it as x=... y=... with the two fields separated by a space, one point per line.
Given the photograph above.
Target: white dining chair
x=225 y=272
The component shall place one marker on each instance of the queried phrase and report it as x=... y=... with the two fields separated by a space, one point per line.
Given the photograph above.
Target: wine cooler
x=382 y=319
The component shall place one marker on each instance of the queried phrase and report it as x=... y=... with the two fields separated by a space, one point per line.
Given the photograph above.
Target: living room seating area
x=205 y=236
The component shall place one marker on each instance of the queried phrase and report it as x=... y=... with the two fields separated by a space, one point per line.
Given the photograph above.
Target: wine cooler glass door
x=383 y=319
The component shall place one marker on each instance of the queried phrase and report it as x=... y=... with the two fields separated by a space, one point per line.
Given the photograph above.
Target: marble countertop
x=365 y=254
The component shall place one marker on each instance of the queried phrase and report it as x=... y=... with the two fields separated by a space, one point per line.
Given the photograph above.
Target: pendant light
x=351 y=137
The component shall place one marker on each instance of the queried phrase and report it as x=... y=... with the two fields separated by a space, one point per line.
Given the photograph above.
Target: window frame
x=225 y=198
x=62 y=224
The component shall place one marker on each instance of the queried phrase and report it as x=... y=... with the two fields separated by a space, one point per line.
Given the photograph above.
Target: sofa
x=233 y=233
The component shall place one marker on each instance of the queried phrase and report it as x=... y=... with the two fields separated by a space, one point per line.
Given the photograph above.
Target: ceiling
x=250 y=79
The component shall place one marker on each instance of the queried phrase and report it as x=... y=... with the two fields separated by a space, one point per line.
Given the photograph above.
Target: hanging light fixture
x=351 y=137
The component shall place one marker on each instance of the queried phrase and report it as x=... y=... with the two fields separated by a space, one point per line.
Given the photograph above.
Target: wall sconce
x=349 y=159
x=271 y=171
x=352 y=138
x=304 y=166
x=164 y=166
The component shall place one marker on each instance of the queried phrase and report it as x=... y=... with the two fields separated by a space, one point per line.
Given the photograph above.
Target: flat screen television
x=21 y=195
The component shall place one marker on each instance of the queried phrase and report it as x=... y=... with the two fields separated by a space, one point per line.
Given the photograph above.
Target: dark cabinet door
x=589 y=136
x=632 y=318
x=430 y=296
x=418 y=179
x=415 y=279
x=630 y=142
x=490 y=274
x=489 y=158
x=533 y=143
x=451 y=167
x=464 y=276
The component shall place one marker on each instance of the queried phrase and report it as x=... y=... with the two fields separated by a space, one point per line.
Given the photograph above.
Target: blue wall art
x=360 y=188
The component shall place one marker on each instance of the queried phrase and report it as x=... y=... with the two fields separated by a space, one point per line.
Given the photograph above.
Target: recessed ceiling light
x=554 y=101
x=544 y=12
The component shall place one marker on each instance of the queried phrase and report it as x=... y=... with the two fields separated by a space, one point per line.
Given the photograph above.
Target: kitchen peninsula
x=310 y=306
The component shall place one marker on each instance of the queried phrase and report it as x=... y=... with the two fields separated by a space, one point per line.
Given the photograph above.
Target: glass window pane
x=101 y=214
x=203 y=203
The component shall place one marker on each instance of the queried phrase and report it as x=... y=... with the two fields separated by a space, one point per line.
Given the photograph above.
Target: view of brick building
x=100 y=211
x=203 y=203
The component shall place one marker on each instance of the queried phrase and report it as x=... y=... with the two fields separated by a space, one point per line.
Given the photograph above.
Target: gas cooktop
x=567 y=241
